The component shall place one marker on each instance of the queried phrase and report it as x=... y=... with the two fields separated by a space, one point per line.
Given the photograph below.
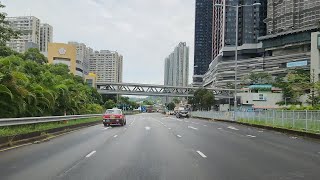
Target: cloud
x=144 y=31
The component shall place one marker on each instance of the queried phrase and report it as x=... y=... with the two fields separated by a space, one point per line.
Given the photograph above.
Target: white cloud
x=144 y=31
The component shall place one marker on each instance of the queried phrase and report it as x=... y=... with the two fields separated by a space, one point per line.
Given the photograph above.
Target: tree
x=258 y=78
x=34 y=54
x=203 y=99
x=6 y=33
x=176 y=100
x=171 y=106
x=109 y=104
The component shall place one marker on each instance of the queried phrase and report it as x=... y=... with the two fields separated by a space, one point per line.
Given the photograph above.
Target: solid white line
x=201 y=154
x=179 y=136
x=190 y=127
x=233 y=128
x=90 y=154
x=115 y=136
x=251 y=136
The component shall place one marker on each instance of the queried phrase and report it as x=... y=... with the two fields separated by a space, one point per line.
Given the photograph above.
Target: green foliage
x=171 y=106
x=30 y=88
x=147 y=102
x=176 y=100
x=258 y=78
x=294 y=84
x=109 y=104
x=203 y=99
x=34 y=54
x=6 y=33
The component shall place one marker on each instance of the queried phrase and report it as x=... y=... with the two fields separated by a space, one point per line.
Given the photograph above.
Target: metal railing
x=35 y=120
x=308 y=121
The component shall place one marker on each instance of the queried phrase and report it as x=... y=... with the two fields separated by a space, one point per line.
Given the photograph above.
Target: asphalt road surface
x=157 y=147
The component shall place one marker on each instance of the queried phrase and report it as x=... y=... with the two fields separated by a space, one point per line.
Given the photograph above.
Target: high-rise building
x=222 y=69
x=46 y=34
x=292 y=14
x=83 y=55
x=29 y=26
x=61 y=53
x=203 y=39
x=176 y=70
x=287 y=44
x=107 y=65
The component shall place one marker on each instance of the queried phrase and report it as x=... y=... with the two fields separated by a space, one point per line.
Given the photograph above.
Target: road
x=156 y=147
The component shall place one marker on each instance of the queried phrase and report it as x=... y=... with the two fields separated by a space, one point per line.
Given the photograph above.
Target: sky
x=145 y=32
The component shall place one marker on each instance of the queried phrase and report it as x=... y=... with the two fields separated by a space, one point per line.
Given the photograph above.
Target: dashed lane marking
x=219 y=128
x=260 y=131
x=115 y=136
x=90 y=154
x=147 y=128
x=205 y=125
x=201 y=154
x=179 y=136
x=251 y=136
x=169 y=128
x=233 y=128
x=191 y=127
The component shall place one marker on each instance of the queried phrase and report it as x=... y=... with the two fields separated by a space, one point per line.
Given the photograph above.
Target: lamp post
x=236 y=49
x=285 y=100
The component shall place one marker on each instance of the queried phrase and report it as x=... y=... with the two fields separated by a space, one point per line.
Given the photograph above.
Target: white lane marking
x=219 y=128
x=186 y=121
x=106 y=128
x=169 y=128
x=191 y=127
x=115 y=136
x=179 y=120
x=205 y=125
x=251 y=136
x=201 y=154
x=147 y=128
x=233 y=128
x=90 y=154
x=165 y=125
x=293 y=137
x=125 y=128
x=179 y=136
x=260 y=131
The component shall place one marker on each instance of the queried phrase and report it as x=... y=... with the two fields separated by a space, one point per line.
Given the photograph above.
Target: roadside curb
x=39 y=137
x=282 y=130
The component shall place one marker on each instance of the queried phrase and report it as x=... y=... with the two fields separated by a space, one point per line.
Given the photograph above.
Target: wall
x=270 y=99
x=55 y=50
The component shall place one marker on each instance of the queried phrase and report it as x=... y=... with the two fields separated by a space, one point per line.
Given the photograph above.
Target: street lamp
x=236 y=49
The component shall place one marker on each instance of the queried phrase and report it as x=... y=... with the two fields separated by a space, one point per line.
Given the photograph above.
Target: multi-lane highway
x=156 y=147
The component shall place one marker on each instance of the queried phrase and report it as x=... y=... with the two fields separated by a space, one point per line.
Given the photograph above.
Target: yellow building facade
x=64 y=54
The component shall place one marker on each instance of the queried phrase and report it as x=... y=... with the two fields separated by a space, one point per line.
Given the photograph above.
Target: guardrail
x=308 y=121
x=35 y=120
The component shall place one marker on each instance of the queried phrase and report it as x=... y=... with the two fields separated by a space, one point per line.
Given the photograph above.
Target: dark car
x=182 y=113
x=114 y=117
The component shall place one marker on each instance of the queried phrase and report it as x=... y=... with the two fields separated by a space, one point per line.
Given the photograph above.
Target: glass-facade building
x=203 y=38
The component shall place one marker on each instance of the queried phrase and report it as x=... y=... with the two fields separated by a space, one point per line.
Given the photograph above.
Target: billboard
x=297 y=63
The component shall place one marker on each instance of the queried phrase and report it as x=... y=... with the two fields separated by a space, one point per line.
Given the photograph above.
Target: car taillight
x=120 y=116
x=106 y=116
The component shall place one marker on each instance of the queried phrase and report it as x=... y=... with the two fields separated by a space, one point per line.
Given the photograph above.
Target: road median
x=12 y=136
x=278 y=129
